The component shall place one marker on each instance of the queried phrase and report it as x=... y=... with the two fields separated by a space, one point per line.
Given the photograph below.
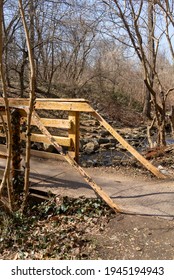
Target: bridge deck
x=146 y=197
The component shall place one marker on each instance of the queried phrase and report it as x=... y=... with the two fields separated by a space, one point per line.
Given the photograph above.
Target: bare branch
x=31 y=103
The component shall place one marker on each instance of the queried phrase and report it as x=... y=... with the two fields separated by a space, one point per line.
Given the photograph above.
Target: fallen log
x=157 y=151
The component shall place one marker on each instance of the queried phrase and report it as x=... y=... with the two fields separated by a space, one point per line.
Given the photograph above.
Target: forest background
x=111 y=52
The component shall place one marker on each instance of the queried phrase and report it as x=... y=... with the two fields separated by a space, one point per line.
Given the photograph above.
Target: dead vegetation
x=61 y=228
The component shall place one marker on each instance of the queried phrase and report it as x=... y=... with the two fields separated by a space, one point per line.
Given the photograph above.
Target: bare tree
x=133 y=21
x=9 y=29
x=167 y=9
x=151 y=57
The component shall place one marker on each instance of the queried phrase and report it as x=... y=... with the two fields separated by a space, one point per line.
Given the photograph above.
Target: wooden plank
x=48 y=100
x=2 y=134
x=79 y=105
x=41 y=154
x=47 y=155
x=73 y=133
x=62 y=99
x=3 y=151
x=64 y=106
x=63 y=141
x=57 y=123
x=3 y=154
x=98 y=190
x=128 y=147
x=3 y=148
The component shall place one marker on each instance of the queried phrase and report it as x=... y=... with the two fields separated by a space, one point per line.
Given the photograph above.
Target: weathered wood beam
x=47 y=155
x=63 y=141
x=3 y=154
x=3 y=148
x=73 y=133
x=50 y=99
x=74 y=164
x=79 y=105
x=35 y=153
x=57 y=123
x=129 y=148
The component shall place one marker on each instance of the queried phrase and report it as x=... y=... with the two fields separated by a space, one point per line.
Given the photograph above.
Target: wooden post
x=16 y=152
x=73 y=134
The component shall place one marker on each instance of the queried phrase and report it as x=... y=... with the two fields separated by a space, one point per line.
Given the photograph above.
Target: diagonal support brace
x=73 y=163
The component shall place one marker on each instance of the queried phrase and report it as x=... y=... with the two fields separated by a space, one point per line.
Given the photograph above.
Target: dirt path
x=128 y=237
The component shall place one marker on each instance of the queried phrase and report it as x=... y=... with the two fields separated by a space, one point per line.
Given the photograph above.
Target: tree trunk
x=31 y=102
x=6 y=177
x=151 y=58
x=147 y=104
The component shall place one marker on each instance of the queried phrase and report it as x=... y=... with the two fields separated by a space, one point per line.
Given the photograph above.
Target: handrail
x=74 y=107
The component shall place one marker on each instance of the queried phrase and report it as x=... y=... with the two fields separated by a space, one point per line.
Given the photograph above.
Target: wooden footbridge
x=43 y=132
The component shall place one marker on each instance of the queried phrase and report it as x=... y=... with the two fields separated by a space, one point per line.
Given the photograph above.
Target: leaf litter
x=61 y=228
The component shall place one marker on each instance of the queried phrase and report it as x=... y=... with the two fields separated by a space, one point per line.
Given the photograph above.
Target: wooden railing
x=20 y=109
x=69 y=125
x=74 y=107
